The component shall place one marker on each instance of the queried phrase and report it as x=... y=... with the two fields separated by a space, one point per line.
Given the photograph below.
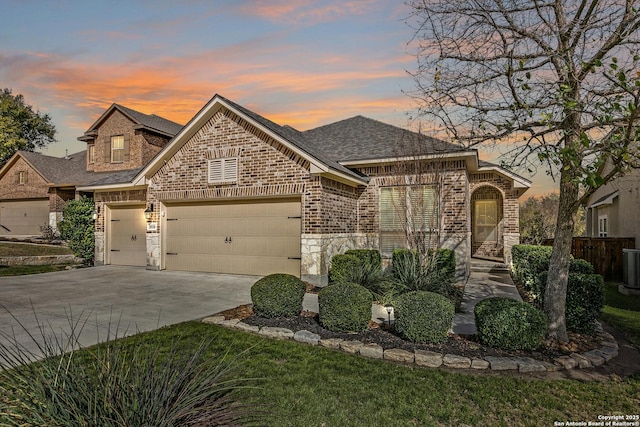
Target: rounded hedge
x=341 y=265
x=423 y=317
x=278 y=295
x=510 y=325
x=345 y=307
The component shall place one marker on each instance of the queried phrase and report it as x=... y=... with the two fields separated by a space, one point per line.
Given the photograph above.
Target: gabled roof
x=518 y=181
x=289 y=137
x=52 y=169
x=150 y=122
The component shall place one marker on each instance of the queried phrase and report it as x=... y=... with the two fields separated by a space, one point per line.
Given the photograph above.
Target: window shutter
x=26 y=177
x=223 y=170
x=107 y=150
x=126 y=156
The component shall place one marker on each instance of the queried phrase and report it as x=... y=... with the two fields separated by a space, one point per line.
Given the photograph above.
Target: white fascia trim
x=446 y=155
x=103 y=188
x=518 y=181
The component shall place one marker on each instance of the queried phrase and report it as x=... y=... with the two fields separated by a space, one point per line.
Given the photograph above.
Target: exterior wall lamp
x=148 y=212
x=96 y=211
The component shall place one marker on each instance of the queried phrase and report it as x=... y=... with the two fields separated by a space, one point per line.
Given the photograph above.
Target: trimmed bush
x=435 y=274
x=585 y=300
x=369 y=257
x=509 y=324
x=581 y=266
x=345 y=307
x=423 y=317
x=341 y=267
x=278 y=295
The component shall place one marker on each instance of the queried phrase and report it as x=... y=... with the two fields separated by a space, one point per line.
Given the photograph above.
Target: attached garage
x=127 y=236
x=253 y=237
x=23 y=217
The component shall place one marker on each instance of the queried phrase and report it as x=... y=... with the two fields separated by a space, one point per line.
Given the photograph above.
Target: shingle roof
x=151 y=120
x=107 y=178
x=361 y=138
x=58 y=169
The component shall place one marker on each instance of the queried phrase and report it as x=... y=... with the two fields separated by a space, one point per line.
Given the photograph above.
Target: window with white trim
x=406 y=212
x=486 y=220
x=117 y=149
x=22 y=177
x=603 y=226
x=223 y=170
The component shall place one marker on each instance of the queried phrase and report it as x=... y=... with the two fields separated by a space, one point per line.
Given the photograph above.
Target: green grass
x=21 y=270
x=622 y=312
x=301 y=385
x=27 y=249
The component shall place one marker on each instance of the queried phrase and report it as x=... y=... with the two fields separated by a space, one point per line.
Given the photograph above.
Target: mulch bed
x=462 y=345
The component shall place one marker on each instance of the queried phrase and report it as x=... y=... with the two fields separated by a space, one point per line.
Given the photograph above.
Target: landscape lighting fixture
x=389 y=308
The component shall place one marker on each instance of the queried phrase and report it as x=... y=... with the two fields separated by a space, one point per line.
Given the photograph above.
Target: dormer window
x=117 y=149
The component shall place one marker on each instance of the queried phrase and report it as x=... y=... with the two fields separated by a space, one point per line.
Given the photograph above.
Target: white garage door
x=239 y=238
x=127 y=243
x=23 y=218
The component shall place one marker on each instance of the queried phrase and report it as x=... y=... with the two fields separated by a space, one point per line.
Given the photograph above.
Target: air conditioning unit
x=631 y=268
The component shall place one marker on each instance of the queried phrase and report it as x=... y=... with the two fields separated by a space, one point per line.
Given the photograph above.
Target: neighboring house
x=236 y=193
x=612 y=211
x=34 y=188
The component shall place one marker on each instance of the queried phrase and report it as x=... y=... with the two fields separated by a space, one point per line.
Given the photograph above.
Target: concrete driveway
x=129 y=299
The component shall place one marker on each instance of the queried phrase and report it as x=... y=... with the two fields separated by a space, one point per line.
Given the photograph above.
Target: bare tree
x=557 y=79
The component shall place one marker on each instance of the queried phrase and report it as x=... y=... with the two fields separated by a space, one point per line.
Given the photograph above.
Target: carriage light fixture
x=148 y=212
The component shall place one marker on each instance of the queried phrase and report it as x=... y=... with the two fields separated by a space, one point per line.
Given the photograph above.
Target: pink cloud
x=303 y=12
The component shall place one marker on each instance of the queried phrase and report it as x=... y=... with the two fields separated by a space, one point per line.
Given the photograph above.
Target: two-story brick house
x=34 y=187
x=234 y=192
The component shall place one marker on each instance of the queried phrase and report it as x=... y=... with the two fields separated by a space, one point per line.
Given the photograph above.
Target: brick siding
x=35 y=187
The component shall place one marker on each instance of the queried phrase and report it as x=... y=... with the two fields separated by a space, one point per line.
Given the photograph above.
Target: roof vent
x=66 y=154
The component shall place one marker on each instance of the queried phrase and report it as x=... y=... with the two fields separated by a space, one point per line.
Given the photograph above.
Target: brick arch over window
x=487 y=222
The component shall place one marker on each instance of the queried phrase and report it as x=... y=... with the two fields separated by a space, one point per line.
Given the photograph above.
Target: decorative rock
x=331 y=343
x=455 y=361
x=501 y=363
x=610 y=344
x=566 y=362
x=582 y=361
x=306 y=337
x=248 y=328
x=231 y=323
x=216 y=320
x=430 y=359
x=594 y=358
x=608 y=353
x=607 y=337
x=279 y=333
x=527 y=364
x=552 y=367
x=479 y=364
x=352 y=347
x=373 y=351
x=398 y=355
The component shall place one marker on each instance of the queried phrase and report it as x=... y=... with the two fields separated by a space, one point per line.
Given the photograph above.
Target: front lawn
x=29 y=249
x=301 y=385
x=21 y=270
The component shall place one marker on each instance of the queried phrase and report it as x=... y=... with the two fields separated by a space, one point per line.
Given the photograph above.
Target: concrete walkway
x=487 y=279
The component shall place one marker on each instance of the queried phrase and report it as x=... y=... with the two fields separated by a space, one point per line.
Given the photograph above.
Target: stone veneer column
x=460 y=243
x=153 y=251
x=99 y=249
x=510 y=239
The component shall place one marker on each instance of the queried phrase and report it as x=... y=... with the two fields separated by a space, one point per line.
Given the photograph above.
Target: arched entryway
x=487 y=215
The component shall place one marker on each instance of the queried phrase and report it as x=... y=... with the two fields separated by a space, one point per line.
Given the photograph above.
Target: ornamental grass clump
x=423 y=317
x=278 y=295
x=345 y=307
x=51 y=381
x=509 y=324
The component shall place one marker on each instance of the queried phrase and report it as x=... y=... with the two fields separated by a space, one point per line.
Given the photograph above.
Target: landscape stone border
x=431 y=359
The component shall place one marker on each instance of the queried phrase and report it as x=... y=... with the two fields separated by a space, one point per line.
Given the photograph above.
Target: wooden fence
x=605 y=253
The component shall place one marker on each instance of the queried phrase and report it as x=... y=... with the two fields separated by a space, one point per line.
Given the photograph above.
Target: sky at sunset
x=301 y=63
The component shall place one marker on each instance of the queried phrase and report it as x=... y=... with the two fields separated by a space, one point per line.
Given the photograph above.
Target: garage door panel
x=263 y=238
x=128 y=236
x=23 y=217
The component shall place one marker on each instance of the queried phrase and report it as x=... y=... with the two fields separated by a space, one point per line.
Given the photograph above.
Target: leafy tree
x=538 y=219
x=77 y=227
x=21 y=128
x=557 y=80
